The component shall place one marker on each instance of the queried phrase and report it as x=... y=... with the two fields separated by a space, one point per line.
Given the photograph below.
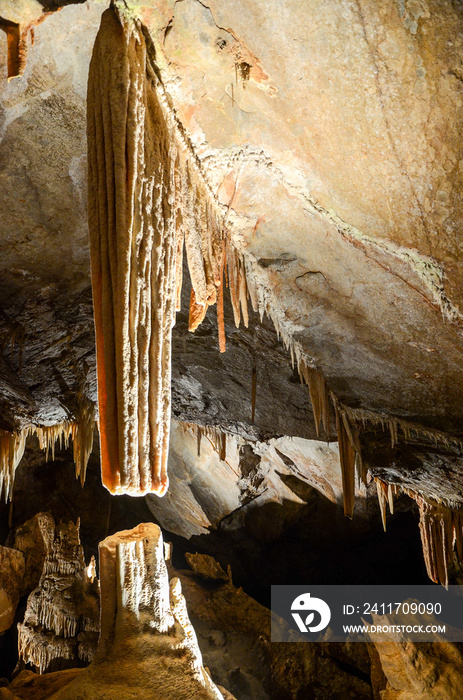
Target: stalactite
x=319 y=394
x=441 y=529
x=347 y=455
x=253 y=389
x=82 y=437
x=13 y=38
x=12 y=445
x=140 y=217
x=216 y=436
x=147 y=197
x=17 y=38
x=437 y=529
x=393 y=424
x=383 y=498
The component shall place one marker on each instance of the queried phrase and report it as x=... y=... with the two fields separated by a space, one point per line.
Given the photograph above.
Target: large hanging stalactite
x=146 y=196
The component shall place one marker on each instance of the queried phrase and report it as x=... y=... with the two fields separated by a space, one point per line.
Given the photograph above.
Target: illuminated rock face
x=147 y=641
x=428 y=671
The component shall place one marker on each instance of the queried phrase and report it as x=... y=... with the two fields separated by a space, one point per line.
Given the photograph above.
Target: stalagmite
x=147 y=195
x=147 y=642
x=61 y=621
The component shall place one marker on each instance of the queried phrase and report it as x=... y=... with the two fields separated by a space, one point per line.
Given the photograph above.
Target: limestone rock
x=28 y=685
x=147 y=641
x=234 y=635
x=11 y=584
x=418 y=670
x=61 y=622
x=30 y=539
x=206 y=566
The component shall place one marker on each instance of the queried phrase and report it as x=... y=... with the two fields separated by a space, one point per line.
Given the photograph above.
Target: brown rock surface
x=234 y=634
x=417 y=670
x=11 y=584
x=31 y=539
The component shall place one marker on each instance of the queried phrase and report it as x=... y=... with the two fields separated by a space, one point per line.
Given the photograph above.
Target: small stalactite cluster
x=148 y=201
x=386 y=494
x=216 y=436
x=348 y=439
x=441 y=528
x=12 y=445
x=61 y=622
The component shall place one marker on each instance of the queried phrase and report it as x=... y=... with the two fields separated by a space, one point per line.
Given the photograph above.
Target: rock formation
x=61 y=621
x=11 y=584
x=147 y=641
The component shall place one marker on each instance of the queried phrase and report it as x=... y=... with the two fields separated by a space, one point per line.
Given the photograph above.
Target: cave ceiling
x=332 y=133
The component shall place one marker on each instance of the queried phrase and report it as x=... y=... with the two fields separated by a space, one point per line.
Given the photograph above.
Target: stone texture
x=234 y=635
x=417 y=670
x=206 y=487
x=61 y=622
x=31 y=539
x=11 y=584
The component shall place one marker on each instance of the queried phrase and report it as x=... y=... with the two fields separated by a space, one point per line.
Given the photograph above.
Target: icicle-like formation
x=393 y=424
x=42 y=649
x=53 y=621
x=347 y=456
x=49 y=435
x=147 y=196
x=12 y=445
x=216 y=436
x=17 y=40
x=441 y=529
x=319 y=394
x=385 y=497
x=82 y=438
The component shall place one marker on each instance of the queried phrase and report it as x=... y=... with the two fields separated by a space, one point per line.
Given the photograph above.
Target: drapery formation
x=146 y=199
